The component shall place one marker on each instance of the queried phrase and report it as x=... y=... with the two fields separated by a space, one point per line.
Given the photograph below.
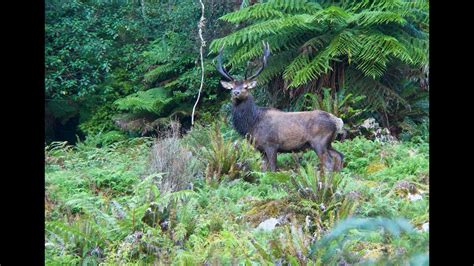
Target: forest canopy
x=129 y=66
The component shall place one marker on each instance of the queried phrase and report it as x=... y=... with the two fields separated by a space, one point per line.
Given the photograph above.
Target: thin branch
x=203 y=44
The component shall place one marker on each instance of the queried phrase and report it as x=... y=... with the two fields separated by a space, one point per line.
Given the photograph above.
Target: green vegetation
x=127 y=202
x=129 y=181
x=133 y=65
x=125 y=65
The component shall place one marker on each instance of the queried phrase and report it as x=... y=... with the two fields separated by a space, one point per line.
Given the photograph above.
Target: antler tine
x=266 y=53
x=221 y=68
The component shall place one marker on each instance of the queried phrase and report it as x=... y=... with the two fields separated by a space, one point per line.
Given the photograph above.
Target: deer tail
x=339 y=124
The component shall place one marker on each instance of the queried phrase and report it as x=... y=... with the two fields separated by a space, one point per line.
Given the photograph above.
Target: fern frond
x=159 y=72
x=151 y=100
x=332 y=15
x=373 y=56
x=369 y=18
x=259 y=11
x=276 y=65
x=175 y=198
x=319 y=65
x=301 y=61
x=266 y=257
x=67 y=231
x=289 y=40
x=374 y=4
x=316 y=67
x=258 y=31
x=295 y=5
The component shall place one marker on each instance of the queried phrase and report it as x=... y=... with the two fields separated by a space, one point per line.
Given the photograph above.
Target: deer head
x=240 y=88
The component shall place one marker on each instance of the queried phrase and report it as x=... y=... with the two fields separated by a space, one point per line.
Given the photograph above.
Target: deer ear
x=227 y=85
x=251 y=84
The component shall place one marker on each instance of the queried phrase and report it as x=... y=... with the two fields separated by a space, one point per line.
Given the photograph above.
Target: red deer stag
x=276 y=131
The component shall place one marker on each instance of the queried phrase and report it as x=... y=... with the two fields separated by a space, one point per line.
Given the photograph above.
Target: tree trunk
x=340 y=78
x=333 y=77
x=319 y=84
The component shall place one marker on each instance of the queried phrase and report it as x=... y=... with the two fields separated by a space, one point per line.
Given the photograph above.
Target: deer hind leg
x=320 y=146
x=271 y=158
x=338 y=159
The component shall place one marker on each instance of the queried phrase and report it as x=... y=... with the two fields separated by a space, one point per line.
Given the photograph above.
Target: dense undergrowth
x=201 y=199
x=118 y=70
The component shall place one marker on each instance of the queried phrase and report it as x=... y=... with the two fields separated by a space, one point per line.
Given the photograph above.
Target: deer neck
x=245 y=115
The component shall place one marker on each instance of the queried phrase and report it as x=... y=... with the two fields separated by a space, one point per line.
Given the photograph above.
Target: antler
x=266 y=53
x=221 y=68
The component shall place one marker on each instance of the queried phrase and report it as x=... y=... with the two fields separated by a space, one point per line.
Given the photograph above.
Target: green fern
x=152 y=100
x=326 y=248
x=174 y=198
x=366 y=37
x=264 y=10
x=317 y=187
x=159 y=72
x=369 y=18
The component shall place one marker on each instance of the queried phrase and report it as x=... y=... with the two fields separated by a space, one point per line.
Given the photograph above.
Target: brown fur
x=275 y=131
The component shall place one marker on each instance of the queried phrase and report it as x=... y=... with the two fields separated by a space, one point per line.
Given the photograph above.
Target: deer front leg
x=271 y=158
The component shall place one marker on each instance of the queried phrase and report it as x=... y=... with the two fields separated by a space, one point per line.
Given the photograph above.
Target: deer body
x=274 y=131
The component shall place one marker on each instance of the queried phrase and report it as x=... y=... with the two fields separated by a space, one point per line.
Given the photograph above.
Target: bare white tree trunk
x=143 y=9
x=201 y=50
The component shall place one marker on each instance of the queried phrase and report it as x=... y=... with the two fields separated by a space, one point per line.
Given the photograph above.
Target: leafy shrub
x=378 y=205
x=403 y=162
x=315 y=186
x=100 y=121
x=101 y=139
x=358 y=153
x=223 y=157
x=290 y=247
x=415 y=132
x=320 y=196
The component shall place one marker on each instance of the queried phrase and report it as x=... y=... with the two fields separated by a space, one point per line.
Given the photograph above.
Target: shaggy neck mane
x=245 y=115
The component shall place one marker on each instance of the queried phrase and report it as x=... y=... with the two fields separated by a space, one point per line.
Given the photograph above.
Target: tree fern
x=276 y=65
x=316 y=67
x=301 y=61
x=152 y=100
x=369 y=18
x=362 y=36
x=281 y=45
